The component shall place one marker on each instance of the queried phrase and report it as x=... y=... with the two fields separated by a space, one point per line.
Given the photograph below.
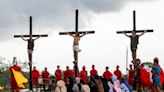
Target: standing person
x=14 y=85
x=66 y=74
x=130 y=75
x=45 y=76
x=83 y=75
x=93 y=72
x=107 y=74
x=30 y=46
x=83 y=71
x=156 y=75
x=58 y=73
x=118 y=73
x=35 y=77
x=68 y=78
x=134 y=42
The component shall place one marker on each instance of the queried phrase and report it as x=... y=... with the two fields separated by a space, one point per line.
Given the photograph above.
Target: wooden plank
x=80 y=32
x=138 y=31
x=29 y=36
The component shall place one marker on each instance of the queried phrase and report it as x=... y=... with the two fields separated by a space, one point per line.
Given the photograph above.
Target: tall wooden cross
x=30 y=55
x=76 y=34
x=134 y=37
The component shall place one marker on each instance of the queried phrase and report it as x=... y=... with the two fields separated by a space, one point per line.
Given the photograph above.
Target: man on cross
x=76 y=37
x=30 y=45
x=134 y=42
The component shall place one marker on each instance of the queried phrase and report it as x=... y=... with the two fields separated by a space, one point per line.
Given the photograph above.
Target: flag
x=20 y=79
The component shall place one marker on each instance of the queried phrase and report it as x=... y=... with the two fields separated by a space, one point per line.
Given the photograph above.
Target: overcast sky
x=105 y=17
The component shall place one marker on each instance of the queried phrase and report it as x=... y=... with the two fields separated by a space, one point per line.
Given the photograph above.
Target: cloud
x=51 y=14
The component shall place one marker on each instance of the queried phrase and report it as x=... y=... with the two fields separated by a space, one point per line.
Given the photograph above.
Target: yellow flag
x=20 y=79
x=1 y=88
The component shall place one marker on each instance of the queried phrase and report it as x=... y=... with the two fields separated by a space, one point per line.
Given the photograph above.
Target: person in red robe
x=93 y=72
x=68 y=73
x=130 y=75
x=58 y=73
x=14 y=86
x=107 y=74
x=45 y=75
x=83 y=75
x=83 y=72
x=35 y=77
x=118 y=73
x=145 y=77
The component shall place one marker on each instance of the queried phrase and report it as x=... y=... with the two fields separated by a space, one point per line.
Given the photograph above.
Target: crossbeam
x=138 y=31
x=80 y=32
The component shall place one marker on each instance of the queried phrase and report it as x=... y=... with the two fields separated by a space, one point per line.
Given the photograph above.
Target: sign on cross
x=30 y=47
x=134 y=37
x=76 y=35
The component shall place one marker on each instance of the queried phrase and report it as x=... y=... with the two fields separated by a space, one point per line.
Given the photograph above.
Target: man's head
x=133 y=33
x=156 y=61
x=67 y=67
x=34 y=68
x=30 y=37
x=130 y=66
x=117 y=67
x=58 y=67
x=76 y=34
x=106 y=68
x=83 y=67
x=93 y=66
x=45 y=68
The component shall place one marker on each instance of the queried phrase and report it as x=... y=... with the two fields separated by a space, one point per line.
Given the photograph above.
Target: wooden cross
x=77 y=34
x=30 y=54
x=134 y=37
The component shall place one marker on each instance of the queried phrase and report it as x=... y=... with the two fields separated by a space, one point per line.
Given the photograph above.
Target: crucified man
x=76 y=37
x=30 y=46
x=134 y=42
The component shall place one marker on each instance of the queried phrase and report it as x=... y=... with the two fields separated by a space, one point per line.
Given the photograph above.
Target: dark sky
x=14 y=14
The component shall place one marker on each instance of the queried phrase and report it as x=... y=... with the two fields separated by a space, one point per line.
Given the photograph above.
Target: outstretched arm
x=126 y=34
x=142 y=33
x=23 y=38
x=37 y=37
x=71 y=34
x=83 y=34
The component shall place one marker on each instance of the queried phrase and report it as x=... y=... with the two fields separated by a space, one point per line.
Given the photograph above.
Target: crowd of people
x=138 y=78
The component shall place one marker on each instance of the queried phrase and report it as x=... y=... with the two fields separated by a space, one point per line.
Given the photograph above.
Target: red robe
x=68 y=73
x=107 y=75
x=130 y=76
x=118 y=74
x=35 y=77
x=83 y=73
x=58 y=74
x=45 y=76
x=13 y=83
x=145 y=77
x=161 y=76
x=93 y=72
x=83 y=76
